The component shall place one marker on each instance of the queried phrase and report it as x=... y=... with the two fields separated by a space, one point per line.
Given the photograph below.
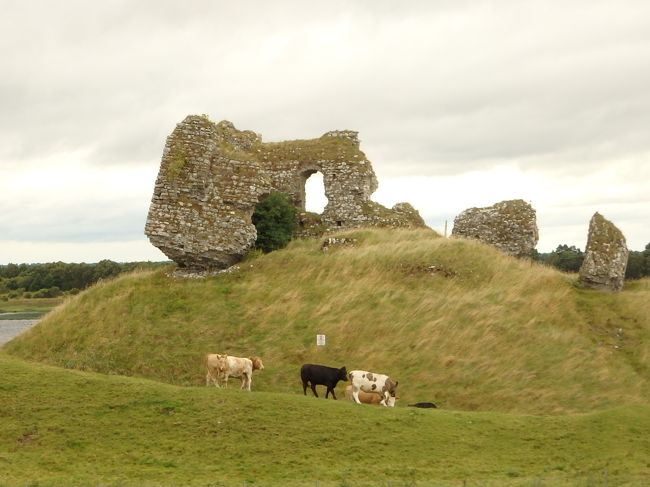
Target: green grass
x=69 y=428
x=454 y=321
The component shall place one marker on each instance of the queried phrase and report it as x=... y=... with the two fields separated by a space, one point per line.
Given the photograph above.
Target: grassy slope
x=67 y=428
x=480 y=331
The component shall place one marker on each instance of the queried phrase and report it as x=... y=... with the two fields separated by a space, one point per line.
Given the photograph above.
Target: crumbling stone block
x=510 y=226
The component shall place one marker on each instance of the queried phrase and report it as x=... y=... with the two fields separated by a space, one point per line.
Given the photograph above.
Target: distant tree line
x=57 y=278
x=569 y=259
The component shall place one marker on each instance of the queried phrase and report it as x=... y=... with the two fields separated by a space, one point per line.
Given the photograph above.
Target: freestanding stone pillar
x=605 y=257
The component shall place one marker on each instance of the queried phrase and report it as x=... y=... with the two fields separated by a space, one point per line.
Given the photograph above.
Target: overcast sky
x=457 y=104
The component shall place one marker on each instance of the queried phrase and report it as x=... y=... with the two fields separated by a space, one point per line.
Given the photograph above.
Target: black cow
x=426 y=405
x=321 y=375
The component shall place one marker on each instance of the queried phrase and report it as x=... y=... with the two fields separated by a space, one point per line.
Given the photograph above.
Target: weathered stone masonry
x=510 y=226
x=212 y=176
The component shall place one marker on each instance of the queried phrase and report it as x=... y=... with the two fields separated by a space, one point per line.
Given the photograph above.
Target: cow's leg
x=304 y=387
x=210 y=378
x=225 y=379
x=330 y=389
x=313 y=389
x=355 y=394
x=384 y=399
x=246 y=381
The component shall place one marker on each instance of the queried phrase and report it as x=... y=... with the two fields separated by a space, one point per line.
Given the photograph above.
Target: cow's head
x=257 y=363
x=343 y=374
x=389 y=392
x=390 y=402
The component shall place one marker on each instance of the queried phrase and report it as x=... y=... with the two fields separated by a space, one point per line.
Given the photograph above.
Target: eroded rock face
x=605 y=257
x=510 y=226
x=212 y=176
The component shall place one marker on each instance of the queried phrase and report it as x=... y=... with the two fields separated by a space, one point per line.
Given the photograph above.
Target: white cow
x=373 y=383
x=221 y=367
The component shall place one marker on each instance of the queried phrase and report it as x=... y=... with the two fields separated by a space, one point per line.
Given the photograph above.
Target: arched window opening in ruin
x=315 y=199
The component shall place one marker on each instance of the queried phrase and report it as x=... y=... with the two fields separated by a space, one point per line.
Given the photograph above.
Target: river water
x=11 y=328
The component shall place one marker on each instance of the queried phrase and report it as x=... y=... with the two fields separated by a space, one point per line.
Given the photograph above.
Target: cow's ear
x=396 y=383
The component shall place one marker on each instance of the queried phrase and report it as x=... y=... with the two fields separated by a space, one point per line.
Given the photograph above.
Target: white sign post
x=320 y=340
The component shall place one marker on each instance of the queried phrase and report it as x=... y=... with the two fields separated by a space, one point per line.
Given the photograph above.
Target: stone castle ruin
x=212 y=176
x=510 y=226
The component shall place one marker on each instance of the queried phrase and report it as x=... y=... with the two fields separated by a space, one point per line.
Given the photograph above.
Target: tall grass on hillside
x=455 y=321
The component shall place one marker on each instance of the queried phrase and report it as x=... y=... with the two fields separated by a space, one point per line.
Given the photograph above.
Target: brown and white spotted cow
x=220 y=367
x=381 y=384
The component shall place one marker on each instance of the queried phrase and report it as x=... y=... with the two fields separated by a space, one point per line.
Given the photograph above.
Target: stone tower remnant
x=605 y=256
x=510 y=226
x=212 y=176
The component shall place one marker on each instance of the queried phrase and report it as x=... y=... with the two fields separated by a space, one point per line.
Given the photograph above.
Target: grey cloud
x=434 y=88
x=437 y=88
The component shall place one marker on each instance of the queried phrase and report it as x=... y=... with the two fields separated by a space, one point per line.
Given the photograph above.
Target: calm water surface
x=11 y=328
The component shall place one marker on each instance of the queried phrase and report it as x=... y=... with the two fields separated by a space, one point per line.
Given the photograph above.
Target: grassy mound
x=69 y=428
x=454 y=321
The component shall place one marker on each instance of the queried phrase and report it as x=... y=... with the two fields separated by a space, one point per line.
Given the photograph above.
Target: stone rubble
x=338 y=242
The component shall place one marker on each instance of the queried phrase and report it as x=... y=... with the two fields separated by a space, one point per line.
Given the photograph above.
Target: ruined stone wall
x=212 y=176
x=605 y=256
x=510 y=226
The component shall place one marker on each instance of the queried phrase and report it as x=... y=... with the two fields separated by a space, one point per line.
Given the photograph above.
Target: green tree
x=635 y=265
x=566 y=258
x=275 y=219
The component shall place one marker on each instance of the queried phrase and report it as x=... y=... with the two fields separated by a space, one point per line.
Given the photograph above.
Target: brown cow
x=364 y=397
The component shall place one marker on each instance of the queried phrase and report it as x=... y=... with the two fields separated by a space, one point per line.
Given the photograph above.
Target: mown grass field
x=68 y=428
x=539 y=382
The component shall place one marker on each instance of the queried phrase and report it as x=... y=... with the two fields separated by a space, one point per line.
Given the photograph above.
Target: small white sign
x=320 y=340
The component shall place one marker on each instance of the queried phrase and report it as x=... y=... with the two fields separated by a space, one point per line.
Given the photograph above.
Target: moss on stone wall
x=312 y=151
x=177 y=159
